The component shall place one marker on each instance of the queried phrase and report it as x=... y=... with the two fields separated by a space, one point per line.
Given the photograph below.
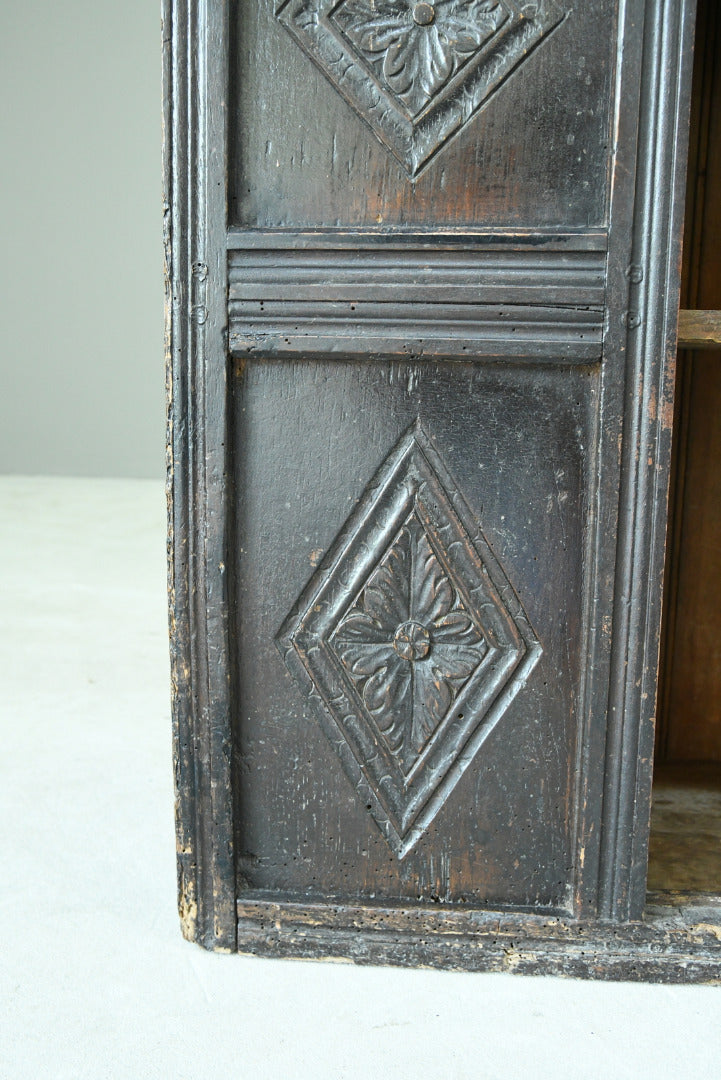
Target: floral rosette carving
x=408 y=644
x=418 y=71
x=415 y=49
x=411 y=641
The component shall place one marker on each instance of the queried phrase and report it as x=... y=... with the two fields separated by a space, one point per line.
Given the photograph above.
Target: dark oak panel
x=423 y=290
x=535 y=154
x=302 y=826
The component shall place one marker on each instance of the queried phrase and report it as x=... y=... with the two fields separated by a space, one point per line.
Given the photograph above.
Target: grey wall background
x=81 y=329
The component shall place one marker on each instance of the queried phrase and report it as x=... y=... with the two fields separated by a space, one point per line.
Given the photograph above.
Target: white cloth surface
x=95 y=979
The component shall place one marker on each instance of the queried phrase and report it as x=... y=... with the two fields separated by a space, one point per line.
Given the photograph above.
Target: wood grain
x=690 y=703
x=428 y=298
x=412 y=399
x=678 y=942
x=311 y=160
x=699 y=329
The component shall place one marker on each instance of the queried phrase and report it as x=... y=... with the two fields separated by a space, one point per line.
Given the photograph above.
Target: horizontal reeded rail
x=426 y=301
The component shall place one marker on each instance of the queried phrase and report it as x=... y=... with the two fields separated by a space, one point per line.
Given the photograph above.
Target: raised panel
x=527 y=145
x=332 y=448
x=417 y=73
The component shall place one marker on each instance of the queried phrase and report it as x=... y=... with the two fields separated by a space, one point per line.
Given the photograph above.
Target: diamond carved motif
x=418 y=72
x=412 y=641
x=414 y=50
x=409 y=644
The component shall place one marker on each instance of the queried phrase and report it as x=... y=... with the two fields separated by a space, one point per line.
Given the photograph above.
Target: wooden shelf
x=699 y=329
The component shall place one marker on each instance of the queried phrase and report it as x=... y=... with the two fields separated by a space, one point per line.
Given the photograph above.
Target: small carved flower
x=415 y=48
x=408 y=644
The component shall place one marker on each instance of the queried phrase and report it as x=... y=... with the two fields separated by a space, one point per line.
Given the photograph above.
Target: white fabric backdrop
x=95 y=979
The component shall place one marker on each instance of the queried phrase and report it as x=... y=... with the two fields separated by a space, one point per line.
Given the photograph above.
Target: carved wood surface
x=527 y=128
x=424 y=298
x=413 y=638
x=422 y=331
x=311 y=534
x=418 y=72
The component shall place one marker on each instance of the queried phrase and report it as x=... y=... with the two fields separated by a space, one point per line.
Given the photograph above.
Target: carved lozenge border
x=415 y=142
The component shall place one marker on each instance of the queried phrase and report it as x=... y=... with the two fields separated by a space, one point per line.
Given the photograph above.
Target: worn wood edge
x=678 y=942
x=699 y=329
x=259 y=344
x=177 y=509
x=651 y=328
x=403 y=239
x=656 y=407
x=595 y=719
x=197 y=504
x=215 y=523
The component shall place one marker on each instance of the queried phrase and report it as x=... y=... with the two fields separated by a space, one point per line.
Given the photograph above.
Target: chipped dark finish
x=504 y=318
x=195 y=42
x=679 y=942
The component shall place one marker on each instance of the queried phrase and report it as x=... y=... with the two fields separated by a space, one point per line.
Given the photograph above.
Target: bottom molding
x=679 y=940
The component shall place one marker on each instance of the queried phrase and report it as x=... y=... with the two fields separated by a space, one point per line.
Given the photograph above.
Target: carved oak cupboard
x=422 y=291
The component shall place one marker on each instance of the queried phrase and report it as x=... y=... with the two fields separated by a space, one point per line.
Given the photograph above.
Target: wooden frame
x=602 y=934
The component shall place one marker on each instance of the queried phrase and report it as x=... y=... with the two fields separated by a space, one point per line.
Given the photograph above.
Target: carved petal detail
x=416 y=61
x=418 y=73
x=409 y=697
x=410 y=639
